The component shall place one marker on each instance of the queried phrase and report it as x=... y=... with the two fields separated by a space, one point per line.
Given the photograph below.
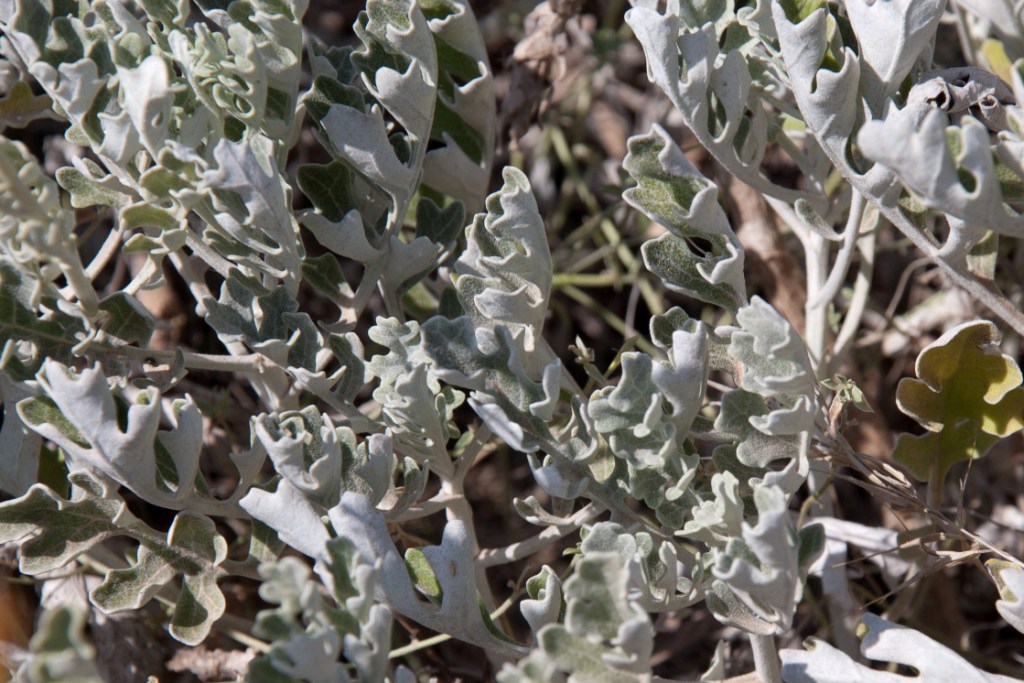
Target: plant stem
x=816 y=317
x=881 y=190
x=591 y=279
x=766 y=658
x=444 y=637
x=517 y=551
x=843 y=258
x=271 y=385
x=111 y=246
x=858 y=302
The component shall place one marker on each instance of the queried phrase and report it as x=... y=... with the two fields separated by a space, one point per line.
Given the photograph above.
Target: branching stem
x=549 y=535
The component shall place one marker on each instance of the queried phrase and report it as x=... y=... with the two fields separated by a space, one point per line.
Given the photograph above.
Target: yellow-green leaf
x=998 y=61
x=969 y=395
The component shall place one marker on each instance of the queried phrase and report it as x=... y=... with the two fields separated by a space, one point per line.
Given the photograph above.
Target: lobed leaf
x=969 y=395
x=504 y=274
x=671 y=191
x=1009 y=579
x=544 y=604
x=891 y=37
x=464 y=115
x=59 y=650
x=636 y=417
x=605 y=637
x=711 y=88
x=825 y=74
x=451 y=563
x=882 y=642
x=419 y=412
x=259 y=218
x=765 y=569
x=79 y=414
x=308 y=636
x=194 y=550
x=514 y=406
x=658 y=572
x=29 y=312
x=913 y=143
x=306 y=450
x=268 y=322
x=53 y=531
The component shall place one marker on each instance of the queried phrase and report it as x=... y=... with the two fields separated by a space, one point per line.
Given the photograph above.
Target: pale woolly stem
x=766 y=658
x=551 y=534
x=843 y=258
x=858 y=302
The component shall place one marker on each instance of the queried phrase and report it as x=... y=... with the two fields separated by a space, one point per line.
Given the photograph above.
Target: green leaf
x=422 y=574
x=334 y=61
x=325 y=275
x=969 y=395
x=63 y=529
x=463 y=129
x=700 y=256
x=168 y=12
x=847 y=392
x=270 y=323
x=754 y=448
x=1009 y=579
x=984 y=256
x=194 y=550
x=812 y=544
x=92 y=189
x=439 y=225
x=504 y=275
x=36 y=411
x=672 y=259
x=517 y=408
x=630 y=415
x=798 y=10
x=52 y=331
x=59 y=651
x=127 y=320
x=774 y=358
x=141 y=214
x=54 y=531
x=399 y=62
x=329 y=187
x=20 y=106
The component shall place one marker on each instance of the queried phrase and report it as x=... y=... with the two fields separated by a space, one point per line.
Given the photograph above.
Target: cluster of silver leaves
x=189 y=125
